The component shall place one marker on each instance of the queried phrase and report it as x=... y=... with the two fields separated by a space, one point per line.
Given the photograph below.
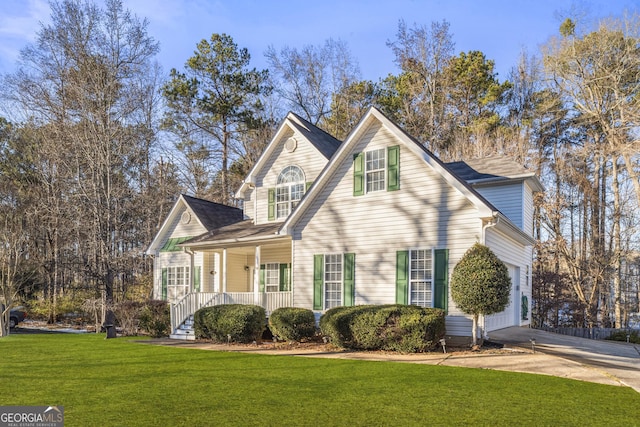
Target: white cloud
x=19 y=24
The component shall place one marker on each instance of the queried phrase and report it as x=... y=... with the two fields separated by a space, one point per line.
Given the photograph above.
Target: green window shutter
x=285 y=277
x=393 y=168
x=271 y=210
x=349 y=294
x=263 y=274
x=402 y=277
x=196 y=278
x=441 y=274
x=308 y=185
x=358 y=174
x=164 y=285
x=318 y=281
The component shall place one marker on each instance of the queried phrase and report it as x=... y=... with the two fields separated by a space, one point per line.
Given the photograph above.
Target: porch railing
x=192 y=302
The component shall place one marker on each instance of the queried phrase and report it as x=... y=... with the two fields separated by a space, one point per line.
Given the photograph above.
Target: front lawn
x=119 y=382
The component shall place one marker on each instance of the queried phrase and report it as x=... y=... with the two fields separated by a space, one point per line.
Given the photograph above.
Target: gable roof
x=373 y=114
x=324 y=143
x=493 y=169
x=213 y=215
x=321 y=140
x=209 y=215
x=485 y=208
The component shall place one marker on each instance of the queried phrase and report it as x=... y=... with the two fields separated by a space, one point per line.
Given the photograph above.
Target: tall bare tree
x=308 y=78
x=422 y=53
x=598 y=74
x=81 y=84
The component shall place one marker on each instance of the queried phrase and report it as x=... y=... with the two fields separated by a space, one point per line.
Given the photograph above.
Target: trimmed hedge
x=402 y=328
x=243 y=323
x=292 y=323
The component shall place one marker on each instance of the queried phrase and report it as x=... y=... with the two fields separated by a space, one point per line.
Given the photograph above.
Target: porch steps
x=184 y=331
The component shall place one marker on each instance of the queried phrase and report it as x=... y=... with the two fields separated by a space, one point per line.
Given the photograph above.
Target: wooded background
x=97 y=142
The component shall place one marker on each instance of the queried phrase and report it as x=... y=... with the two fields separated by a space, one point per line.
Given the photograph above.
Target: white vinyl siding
x=516 y=257
x=164 y=260
x=528 y=210
x=424 y=213
x=306 y=157
x=509 y=199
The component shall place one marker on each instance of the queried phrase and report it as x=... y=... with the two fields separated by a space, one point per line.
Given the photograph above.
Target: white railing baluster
x=190 y=303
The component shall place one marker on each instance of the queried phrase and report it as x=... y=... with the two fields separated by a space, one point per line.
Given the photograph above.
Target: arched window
x=289 y=190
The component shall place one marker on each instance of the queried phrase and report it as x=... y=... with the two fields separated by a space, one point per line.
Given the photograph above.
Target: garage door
x=510 y=316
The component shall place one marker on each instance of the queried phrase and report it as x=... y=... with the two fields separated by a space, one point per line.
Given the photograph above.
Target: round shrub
x=239 y=322
x=292 y=323
x=402 y=328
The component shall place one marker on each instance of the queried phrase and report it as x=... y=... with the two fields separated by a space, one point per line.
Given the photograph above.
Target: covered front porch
x=251 y=269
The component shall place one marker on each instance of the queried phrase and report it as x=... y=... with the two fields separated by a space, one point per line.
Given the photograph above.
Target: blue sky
x=499 y=28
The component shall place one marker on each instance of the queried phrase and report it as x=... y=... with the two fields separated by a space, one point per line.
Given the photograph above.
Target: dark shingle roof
x=213 y=215
x=489 y=168
x=238 y=231
x=325 y=143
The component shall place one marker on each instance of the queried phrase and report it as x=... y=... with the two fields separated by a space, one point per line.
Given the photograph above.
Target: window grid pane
x=282 y=201
x=333 y=280
x=178 y=276
x=375 y=163
x=421 y=277
x=272 y=277
x=289 y=190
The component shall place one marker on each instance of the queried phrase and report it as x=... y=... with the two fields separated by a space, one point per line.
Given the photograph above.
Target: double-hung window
x=375 y=170
x=272 y=277
x=420 y=277
x=289 y=190
x=333 y=280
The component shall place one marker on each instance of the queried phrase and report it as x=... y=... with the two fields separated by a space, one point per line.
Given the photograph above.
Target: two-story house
x=376 y=219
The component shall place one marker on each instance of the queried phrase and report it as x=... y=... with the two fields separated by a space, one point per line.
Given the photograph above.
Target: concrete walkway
x=616 y=360
x=603 y=362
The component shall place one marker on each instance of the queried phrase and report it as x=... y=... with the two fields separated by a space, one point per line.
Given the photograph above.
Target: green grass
x=119 y=382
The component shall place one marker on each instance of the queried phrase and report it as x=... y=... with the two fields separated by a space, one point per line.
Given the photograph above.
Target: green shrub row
x=402 y=328
x=235 y=322
x=292 y=324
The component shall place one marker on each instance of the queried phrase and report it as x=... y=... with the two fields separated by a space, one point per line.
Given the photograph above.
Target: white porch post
x=256 y=275
x=224 y=270
x=192 y=264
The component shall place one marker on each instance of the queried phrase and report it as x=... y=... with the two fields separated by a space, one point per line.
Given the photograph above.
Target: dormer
x=286 y=169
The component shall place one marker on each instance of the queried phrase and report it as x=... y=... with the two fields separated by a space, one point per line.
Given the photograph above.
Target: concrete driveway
x=620 y=361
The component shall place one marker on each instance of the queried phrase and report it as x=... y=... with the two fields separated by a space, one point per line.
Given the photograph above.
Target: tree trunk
x=617 y=242
x=474 y=332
